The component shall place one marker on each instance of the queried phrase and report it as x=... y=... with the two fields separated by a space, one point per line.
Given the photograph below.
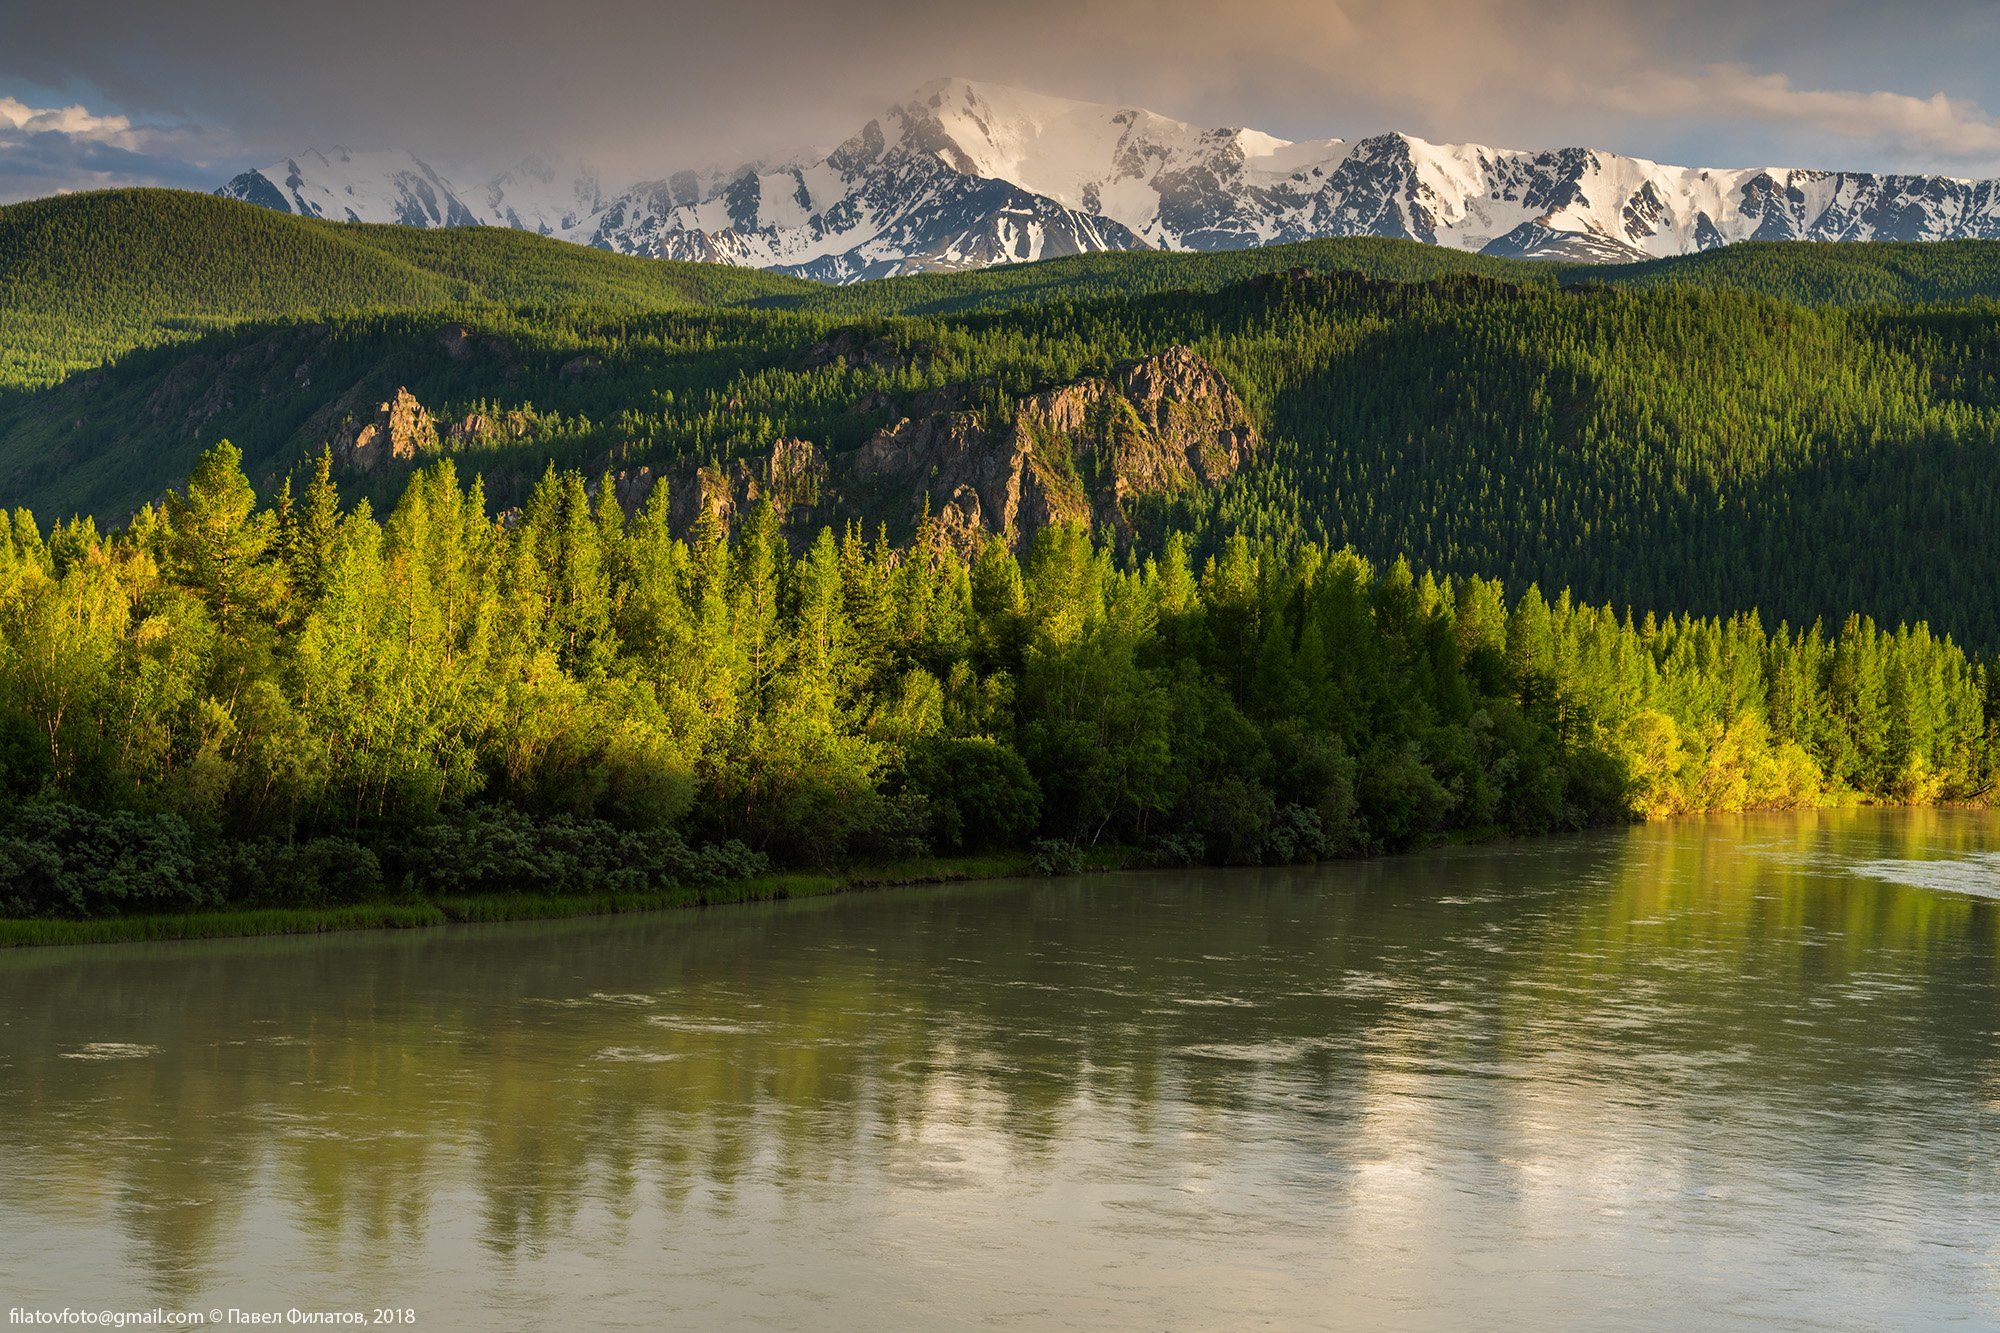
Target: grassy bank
x=420 y=912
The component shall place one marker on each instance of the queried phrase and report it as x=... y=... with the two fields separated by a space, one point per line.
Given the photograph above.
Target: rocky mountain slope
x=967 y=175
x=1093 y=452
x=341 y=185
x=538 y=194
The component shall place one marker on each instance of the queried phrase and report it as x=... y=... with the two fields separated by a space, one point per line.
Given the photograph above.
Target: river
x=1715 y=1073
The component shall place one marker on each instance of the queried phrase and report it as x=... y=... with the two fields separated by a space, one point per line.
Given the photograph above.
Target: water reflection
x=1730 y=1067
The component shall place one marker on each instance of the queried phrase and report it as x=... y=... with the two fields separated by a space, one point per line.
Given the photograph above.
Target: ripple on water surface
x=1978 y=875
x=1743 y=1071
x=111 y=1050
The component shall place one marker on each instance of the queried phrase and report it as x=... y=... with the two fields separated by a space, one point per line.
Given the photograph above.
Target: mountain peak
x=964 y=172
x=393 y=185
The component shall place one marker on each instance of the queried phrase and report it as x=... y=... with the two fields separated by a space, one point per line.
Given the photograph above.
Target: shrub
x=58 y=859
x=892 y=827
x=1400 y=797
x=1296 y=834
x=1231 y=816
x=1315 y=770
x=500 y=850
x=980 y=792
x=322 y=872
x=1056 y=856
x=1173 y=849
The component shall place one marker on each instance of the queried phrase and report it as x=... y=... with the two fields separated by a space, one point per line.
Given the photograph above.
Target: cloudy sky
x=112 y=92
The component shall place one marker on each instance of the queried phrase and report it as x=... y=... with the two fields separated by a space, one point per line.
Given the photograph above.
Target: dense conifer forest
x=1676 y=448
x=472 y=669
x=296 y=703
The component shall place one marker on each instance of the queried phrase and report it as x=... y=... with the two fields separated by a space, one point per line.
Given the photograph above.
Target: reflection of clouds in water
x=1978 y=875
x=111 y=1050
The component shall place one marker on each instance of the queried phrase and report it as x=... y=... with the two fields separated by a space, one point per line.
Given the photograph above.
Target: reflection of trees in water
x=672 y=1062
x=1764 y=892
x=1748 y=940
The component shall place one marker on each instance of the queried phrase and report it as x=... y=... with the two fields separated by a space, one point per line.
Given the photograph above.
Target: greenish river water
x=1705 y=1074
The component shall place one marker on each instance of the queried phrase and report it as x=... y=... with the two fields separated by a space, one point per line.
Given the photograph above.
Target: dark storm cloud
x=647 y=87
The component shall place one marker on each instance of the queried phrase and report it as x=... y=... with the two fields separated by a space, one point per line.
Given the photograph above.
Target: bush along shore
x=550 y=899
x=293 y=707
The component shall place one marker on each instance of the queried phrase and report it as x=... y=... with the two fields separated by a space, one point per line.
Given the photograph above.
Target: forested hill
x=1809 y=273
x=1825 y=273
x=85 y=278
x=88 y=277
x=532 y=565
x=1670 y=437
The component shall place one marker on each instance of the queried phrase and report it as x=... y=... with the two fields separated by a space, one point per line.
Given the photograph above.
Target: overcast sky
x=114 y=92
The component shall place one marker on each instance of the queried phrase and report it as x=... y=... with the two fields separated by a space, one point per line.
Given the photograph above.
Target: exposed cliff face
x=1080 y=453
x=792 y=476
x=396 y=432
x=1089 y=453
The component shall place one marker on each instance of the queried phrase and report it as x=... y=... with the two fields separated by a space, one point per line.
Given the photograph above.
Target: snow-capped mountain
x=538 y=193
x=551 y=196
x=887 y=201
x=966 y=175
x=345 y=186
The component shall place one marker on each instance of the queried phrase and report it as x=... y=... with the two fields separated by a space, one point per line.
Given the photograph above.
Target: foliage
x=57 y=859
x=980 y=792
x=1055 y=856
x=87 y=277
x=1703 y=444
x=302 y=705
x=502 y=851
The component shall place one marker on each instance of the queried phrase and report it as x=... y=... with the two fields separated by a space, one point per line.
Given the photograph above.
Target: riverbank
x=775 y=886
x=528 y=1110
x=418 y=913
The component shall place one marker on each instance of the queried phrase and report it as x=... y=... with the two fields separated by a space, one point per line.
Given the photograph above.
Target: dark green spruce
x=295 y=703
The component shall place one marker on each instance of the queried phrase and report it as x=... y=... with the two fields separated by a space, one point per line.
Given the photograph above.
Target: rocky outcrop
x=479 y=428
x=793 y=476
x=1193 y=427
x=397 y=432
x=1082 y=453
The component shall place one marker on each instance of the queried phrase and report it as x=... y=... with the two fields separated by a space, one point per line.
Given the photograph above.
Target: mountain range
x=964 y=175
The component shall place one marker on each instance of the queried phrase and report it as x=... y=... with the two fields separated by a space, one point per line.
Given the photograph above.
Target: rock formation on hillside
x=397 y=432
x=1080 y=453
x=1090 y=452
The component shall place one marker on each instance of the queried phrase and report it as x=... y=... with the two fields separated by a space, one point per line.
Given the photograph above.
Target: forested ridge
x=1682 y=448
x=462 y=665
x=85 y=278
x=295 y=702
